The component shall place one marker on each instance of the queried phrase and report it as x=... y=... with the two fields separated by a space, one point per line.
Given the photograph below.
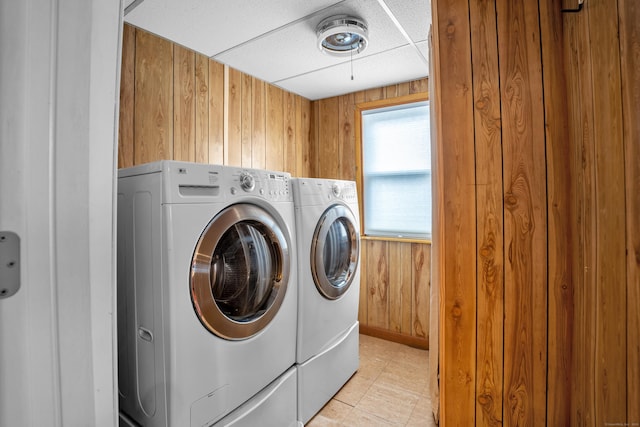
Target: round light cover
x=342 y=35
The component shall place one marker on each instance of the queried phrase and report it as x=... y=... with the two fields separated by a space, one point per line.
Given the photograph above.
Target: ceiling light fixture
x=342 y=35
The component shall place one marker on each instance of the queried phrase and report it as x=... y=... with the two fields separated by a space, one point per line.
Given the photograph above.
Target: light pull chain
x=351 y=52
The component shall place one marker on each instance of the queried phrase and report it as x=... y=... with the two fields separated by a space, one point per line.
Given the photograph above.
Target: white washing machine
x=328 y=230
x=207 y=296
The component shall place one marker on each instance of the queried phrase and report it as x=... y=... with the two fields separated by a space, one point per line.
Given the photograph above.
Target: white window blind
x=397 y=171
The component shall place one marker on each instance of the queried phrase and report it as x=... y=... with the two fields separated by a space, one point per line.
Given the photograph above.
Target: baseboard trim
x=417 y=342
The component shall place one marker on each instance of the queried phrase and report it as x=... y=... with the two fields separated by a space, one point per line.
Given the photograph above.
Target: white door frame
x=59 y=80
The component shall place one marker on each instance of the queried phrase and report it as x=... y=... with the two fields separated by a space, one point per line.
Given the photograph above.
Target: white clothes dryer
x=328 y=231
x=207 y=295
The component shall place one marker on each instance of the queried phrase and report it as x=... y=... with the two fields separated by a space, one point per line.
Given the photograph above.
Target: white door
x=59 y=72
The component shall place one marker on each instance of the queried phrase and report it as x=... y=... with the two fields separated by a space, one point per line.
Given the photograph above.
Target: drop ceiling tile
x=423 y=47
x=413 y=15
x=213 y=26
x=292 y=50
x=395 y=66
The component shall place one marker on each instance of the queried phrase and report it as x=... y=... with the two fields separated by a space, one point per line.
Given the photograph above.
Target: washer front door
x=240 y=271
x=335 y=251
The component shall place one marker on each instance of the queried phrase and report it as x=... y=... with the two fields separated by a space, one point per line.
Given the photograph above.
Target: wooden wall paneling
x=202 y=109
x=437 y=234
x=421 y=281
x=127 y=93
x=246 y=126
x=153 y=110
x=289 y=129
x=374 y=94
x=346 y=137
x=184 y=115
x=259 y=128
x=233 y=117
x=378 y=284
x=418 y=86
x=525 y=337
x=216 y=112
x=580 y=111
x=363 y=314
x=400 y=287
x=303 y=128
x=275 y=128
x=314 y=139
x=391 y=91
x=490 y=232
x=454 y=235
x=559 y=197
x=629 y=11
x=610 y=198
x=329 y=162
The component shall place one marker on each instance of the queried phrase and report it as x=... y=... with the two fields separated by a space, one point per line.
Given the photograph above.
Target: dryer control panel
x=273 y=186
x=344 y=190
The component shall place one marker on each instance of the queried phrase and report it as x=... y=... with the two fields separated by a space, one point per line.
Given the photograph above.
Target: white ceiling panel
x=395 y=66
x=413 y=15
x=213 y=26
x=292 y=50
x=275 y=40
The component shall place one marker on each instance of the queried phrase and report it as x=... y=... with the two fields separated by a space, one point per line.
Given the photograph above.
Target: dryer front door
x=335 y=251
x=240 y=271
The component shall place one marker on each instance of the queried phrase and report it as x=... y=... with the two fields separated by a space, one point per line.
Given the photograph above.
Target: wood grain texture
x=195 y=109
x=363 y=313
x=630 y=68
x=202 y=109
x=377 y=284
x=456 y=249
x=437 y=235
x=233 y=117
x=346 y=137
x=216 y=112
x=559 y=214
x=421 y=282
x=289 y=132
x=184 y=126
x=259 y=128
x=127 y=93
x=579 y=87
x=400 y=284
x=275 y=128
x=490 y=227
x=610 y=268
x=246 y=126
x=418 y=86
x=153 y=110
x=525 y=338
x=329 y=136
x=303 y=167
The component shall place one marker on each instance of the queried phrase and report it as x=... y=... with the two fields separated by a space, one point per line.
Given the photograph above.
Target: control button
x=335 y=188
x=247 y=182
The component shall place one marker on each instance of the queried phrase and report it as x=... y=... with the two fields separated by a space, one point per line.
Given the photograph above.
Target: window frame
x=372 y=105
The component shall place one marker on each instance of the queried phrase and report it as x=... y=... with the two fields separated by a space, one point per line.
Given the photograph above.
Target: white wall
x=59 y=70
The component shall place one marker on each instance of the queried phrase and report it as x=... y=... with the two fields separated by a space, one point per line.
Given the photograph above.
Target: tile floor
x=389 y=389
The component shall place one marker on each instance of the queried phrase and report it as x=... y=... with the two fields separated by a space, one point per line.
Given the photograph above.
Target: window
x=396 y=169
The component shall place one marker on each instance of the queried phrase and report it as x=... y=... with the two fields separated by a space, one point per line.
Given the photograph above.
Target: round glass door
x=239 y=272
x=335 y=250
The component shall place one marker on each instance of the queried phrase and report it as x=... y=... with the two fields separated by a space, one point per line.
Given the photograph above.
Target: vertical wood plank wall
x=176 y=104
x=179 y=105
x=395 y=276
x=539 y=320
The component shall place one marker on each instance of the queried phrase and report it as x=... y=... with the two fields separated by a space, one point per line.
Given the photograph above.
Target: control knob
x=247 y=181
